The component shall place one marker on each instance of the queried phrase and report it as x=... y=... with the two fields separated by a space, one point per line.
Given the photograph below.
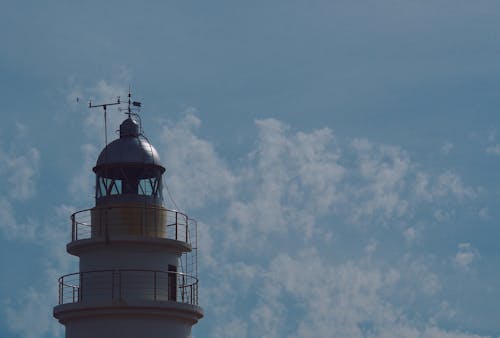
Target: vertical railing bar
x=61 y=280
x=168 y=286
x=80 y=277
x=112 y=285
x=154 y=276
x=176 y=224
x=73 y=237
x=183 y=288
x=120 y=283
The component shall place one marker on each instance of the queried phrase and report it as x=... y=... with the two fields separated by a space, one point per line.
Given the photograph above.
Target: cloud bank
x=278 y=221
x=306 y=235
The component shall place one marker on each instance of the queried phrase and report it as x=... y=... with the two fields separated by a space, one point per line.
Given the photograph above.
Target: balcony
x=127 y=286
x=138 y=221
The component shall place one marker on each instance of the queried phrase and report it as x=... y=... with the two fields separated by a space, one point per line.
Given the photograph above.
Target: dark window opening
x=108 y=186
x=150 y=186
x=172 y=282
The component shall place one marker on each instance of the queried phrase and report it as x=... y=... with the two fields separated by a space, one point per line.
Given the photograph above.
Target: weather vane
x=134 y=104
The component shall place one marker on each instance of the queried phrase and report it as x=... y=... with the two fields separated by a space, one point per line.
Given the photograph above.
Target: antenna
x=104 y=106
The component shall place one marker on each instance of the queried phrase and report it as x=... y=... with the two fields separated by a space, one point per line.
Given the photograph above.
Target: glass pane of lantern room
x=146 y=186
x=117 y=187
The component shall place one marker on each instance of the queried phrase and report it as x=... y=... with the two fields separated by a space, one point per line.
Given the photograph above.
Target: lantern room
x=128 y=169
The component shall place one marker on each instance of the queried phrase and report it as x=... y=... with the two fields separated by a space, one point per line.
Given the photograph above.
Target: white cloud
x=105 y=92
x=82 y=184
x=21 y=130
x=12 y=228
x=21 y=173
x=381 y=186
x=267 y=253
x=99 y=93
x=289 y=180
x=31 y=315
x=410 y=234
x=441 y=215
x=345 y=300
x=195 y=174
x=466 y=255
x=232 y=328
x=493 y=149
x=34 y=305
x=277 y=173
x=422 y=187
x=281 y=192
x=491 y=136
x=371 y=247
x=446 y=184
x=451 y=184
x=434 y=332
x=305 y=295
x=447 y=147
x=484 y=213
x=18 y=181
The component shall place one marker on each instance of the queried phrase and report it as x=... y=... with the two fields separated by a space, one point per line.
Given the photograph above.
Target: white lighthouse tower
x=138 y=262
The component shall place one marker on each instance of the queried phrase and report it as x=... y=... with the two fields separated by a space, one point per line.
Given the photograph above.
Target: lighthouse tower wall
x=128 y=256
x=124 y=326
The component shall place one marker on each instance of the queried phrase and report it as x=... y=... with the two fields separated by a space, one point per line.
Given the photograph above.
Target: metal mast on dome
x=133 y=110
x=129 y=111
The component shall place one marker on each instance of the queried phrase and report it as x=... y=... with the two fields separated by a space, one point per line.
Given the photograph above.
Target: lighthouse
x=137 y=273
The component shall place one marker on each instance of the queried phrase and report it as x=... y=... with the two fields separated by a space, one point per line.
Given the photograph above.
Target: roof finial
x=129 y=96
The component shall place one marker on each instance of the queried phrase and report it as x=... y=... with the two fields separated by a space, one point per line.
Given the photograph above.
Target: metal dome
x=130 y=149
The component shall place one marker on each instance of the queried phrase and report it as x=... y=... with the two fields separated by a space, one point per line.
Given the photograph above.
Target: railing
x=128 y=285
x=155 y=222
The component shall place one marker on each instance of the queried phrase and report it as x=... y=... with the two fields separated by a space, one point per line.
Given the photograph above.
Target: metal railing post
x=73 y=237
x=112 y=285
x=60 y=291
x=183 y=287
x=176 y=224
x=155 y=292
x=120 y=283
x=80 y=277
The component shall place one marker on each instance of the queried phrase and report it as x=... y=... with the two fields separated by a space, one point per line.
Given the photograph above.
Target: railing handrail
x=60 y=280
x=182 y=222
x=187 y=285
x=73 y=215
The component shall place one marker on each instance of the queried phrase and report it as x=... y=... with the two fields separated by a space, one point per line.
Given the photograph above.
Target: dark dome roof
x=130 y=148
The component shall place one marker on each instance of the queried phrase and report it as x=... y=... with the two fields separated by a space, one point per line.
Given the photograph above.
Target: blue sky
x=341 y=156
